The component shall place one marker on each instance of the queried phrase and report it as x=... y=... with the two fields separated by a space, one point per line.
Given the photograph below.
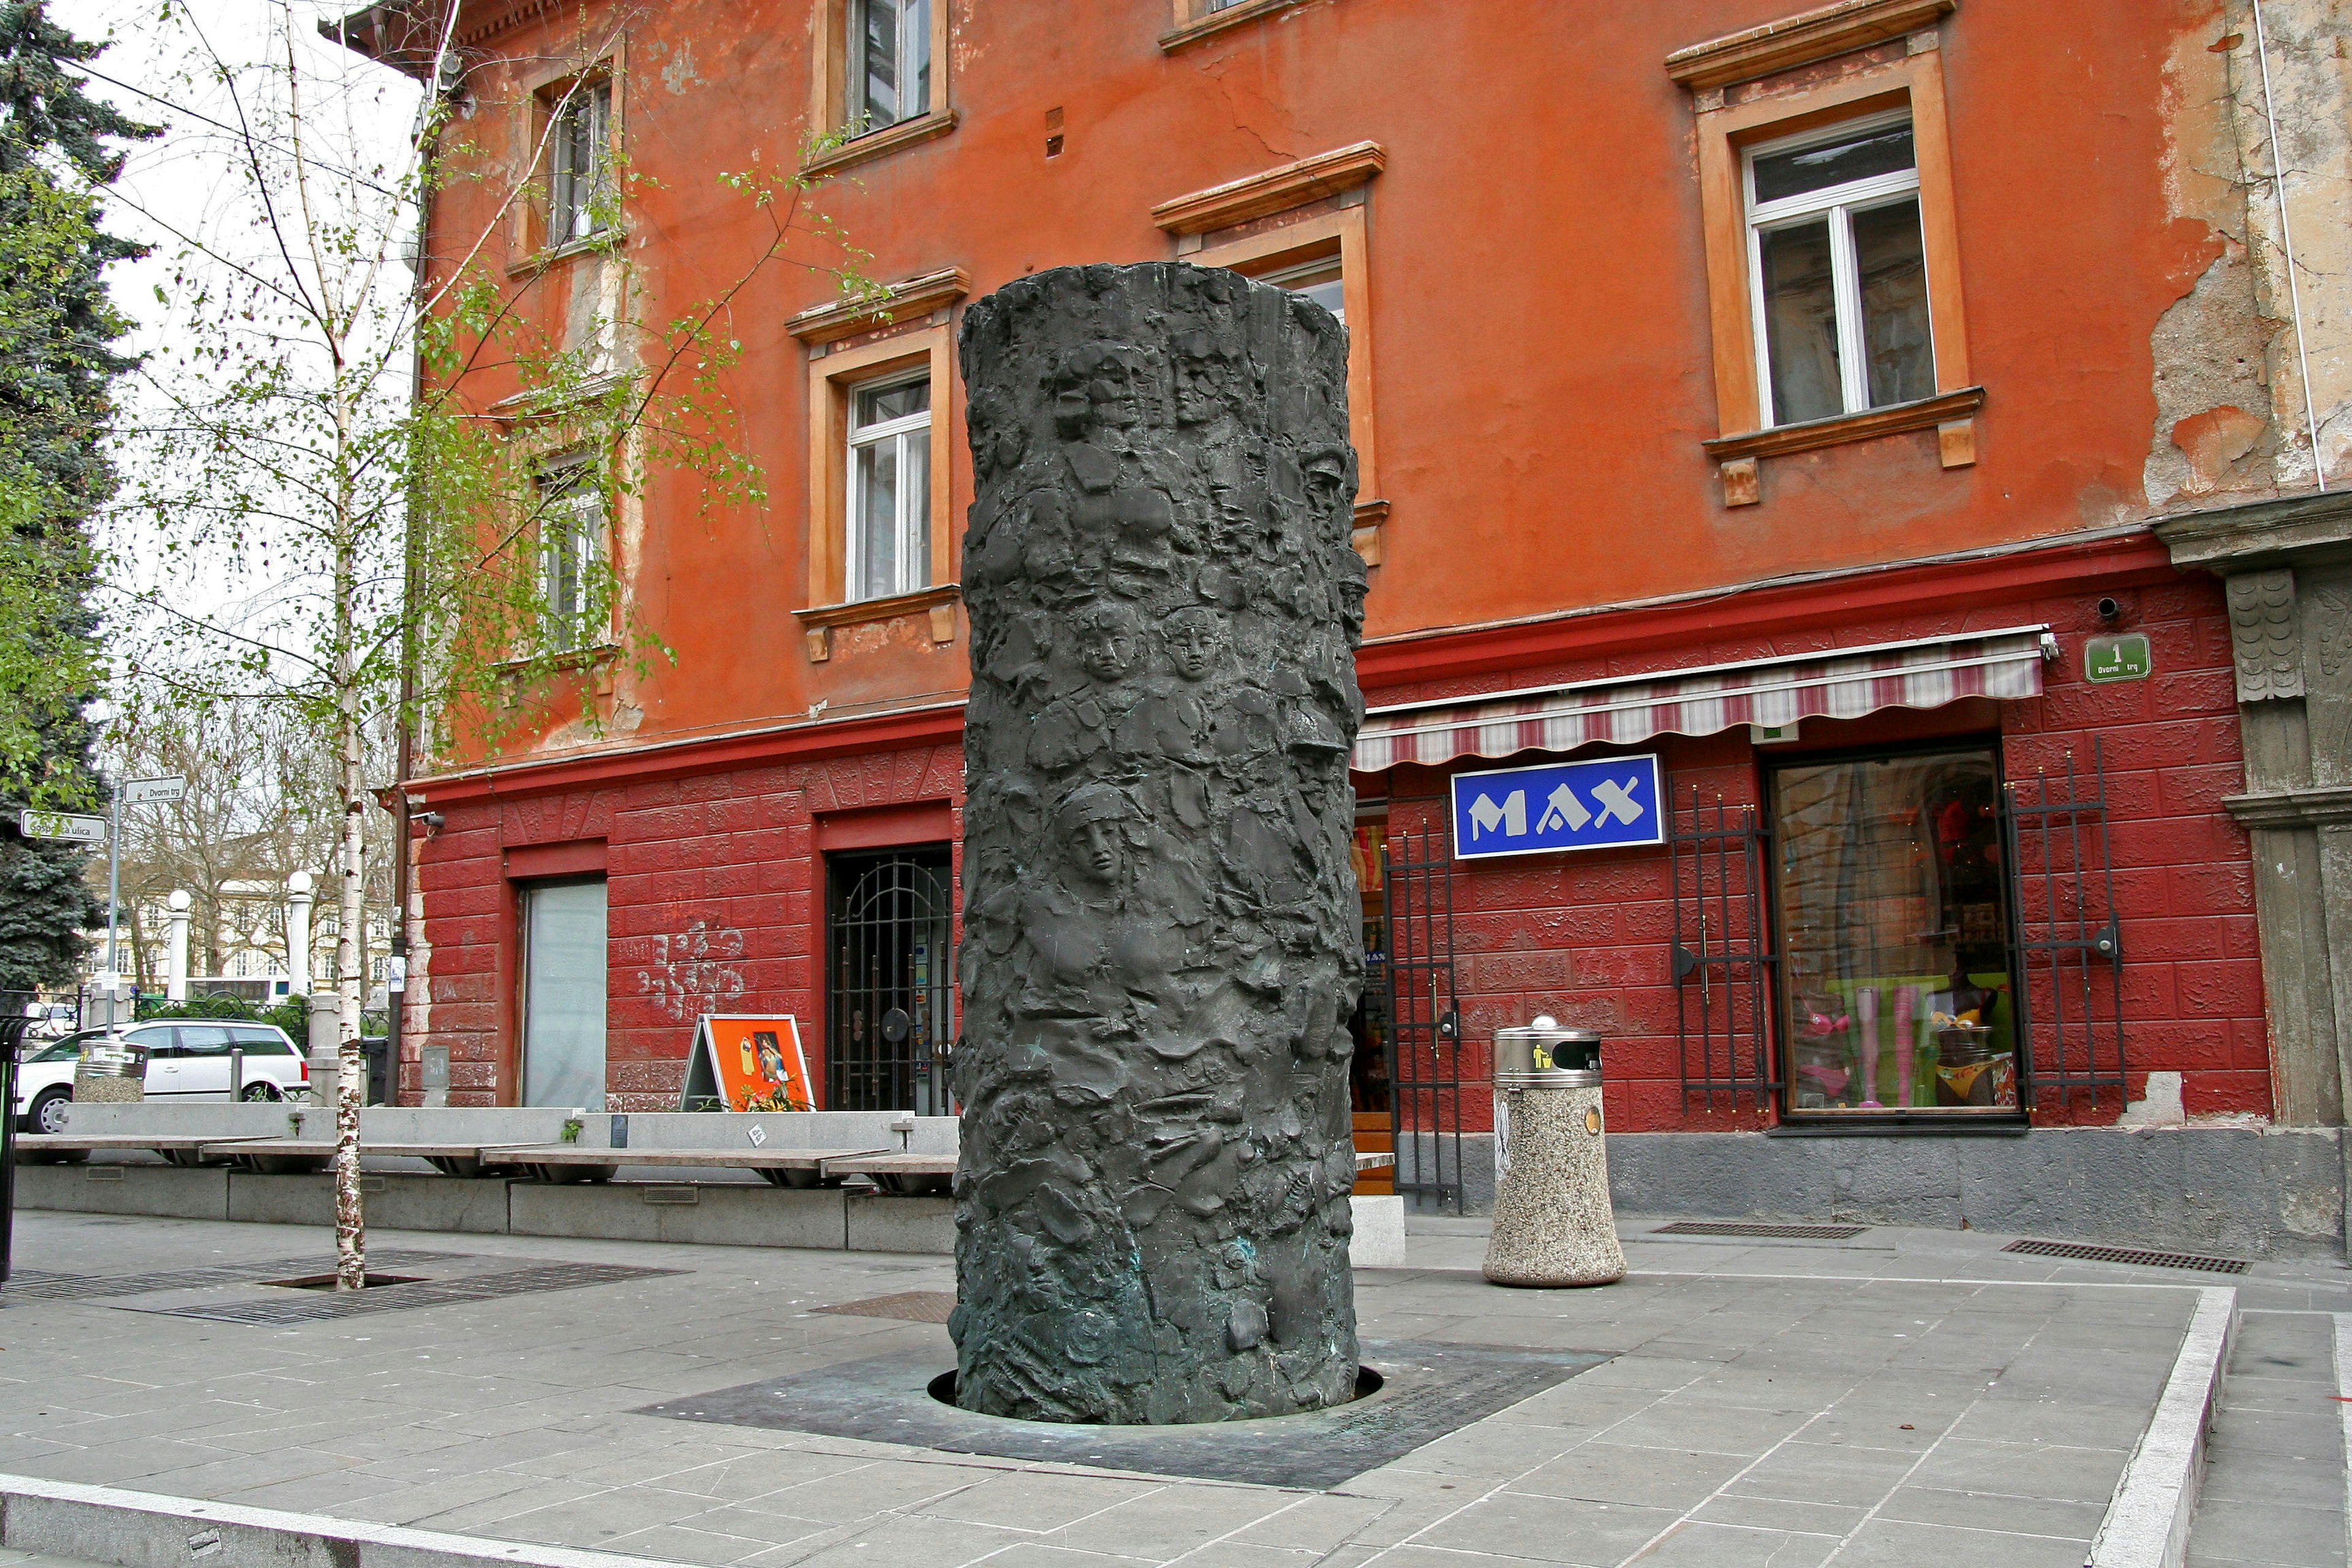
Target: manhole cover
x=2129 y=1254
x=913 y=1306
x=1749 y=1227
x=375 y=1281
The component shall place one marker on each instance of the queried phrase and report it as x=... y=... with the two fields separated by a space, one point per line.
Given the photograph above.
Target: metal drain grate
x=32 y=1285
x=2129 y=1254
x=309 y=1307
x=1746 y=1227
x=913 y=1306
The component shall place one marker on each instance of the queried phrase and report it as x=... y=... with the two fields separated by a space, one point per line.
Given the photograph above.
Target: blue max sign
x=1596 y=804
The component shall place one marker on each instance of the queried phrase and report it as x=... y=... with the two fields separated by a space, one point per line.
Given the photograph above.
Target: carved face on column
x=1110 y=642
x=1195 y=639
x=1095 y=387
x=1092 y=824
x=1206 y=372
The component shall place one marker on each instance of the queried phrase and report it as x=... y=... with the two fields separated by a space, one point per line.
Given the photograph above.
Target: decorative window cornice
x=909 y=300
x=1802 y=39
x=1273 y=191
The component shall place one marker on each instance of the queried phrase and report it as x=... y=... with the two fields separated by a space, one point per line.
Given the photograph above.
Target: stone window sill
x=1952 y=414
x=1216 y=22
x=820 y=622
x=604 y=241
x=875 y=144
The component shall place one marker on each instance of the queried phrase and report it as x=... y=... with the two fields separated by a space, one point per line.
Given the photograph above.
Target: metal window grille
x=1424 y=1016
x=890 y=982
x=1722 y=954
x=2069 y=944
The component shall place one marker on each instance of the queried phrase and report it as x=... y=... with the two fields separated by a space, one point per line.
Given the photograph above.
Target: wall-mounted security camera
x=432 y=821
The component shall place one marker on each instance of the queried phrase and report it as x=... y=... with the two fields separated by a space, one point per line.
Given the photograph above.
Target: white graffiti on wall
x=694 y=972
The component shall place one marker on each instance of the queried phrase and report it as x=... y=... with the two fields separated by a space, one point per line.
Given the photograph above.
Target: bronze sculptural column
x=1161 y=937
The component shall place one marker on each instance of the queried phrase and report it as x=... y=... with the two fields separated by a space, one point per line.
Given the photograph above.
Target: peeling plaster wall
x=2229 y=362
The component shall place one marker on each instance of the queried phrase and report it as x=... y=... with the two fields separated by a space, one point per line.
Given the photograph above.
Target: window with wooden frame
x=880 y=542
x=889 y=545
x=579 y=161
x=1831 y=248
x=880 y=77
x=1302 y=226
x=572 y=528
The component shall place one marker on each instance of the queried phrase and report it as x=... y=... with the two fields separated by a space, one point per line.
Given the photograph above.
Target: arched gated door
x=889 y=981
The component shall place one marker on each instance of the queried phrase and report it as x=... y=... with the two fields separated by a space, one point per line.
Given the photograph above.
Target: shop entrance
x=889 y=981
x=1367 y=1084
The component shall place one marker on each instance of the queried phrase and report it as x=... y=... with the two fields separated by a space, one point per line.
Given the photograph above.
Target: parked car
x=187 y=1059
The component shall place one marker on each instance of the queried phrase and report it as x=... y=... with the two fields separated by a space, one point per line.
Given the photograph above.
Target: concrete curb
x=2147 y=1524
x=142 y=1530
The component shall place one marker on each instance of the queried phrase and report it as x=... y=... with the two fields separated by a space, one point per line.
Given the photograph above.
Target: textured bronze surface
x=1161 y=943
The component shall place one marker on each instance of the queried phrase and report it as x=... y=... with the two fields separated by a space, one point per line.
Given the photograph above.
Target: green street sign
x=2126 y=658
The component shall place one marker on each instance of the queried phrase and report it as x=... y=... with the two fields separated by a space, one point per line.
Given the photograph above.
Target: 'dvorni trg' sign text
x=1596 y=804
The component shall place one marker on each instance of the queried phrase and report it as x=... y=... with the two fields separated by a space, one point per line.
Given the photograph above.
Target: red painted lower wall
x=715 y=882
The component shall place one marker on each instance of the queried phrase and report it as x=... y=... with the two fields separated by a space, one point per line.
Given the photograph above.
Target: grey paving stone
x=1693 y=1544
x=1170 y=1520
x=1317 y=1522
x=1776 y=1513
x=1612 y=1472
x=2275 y=1432
x=1989 y=1510
x=2272 y=1479
x=1030 y=1501
x=2270 y=1532
x=2024 y=1470
x=1893 y=1543
x=904 y=1542
x=1818 y=1473
x=1549 y=1530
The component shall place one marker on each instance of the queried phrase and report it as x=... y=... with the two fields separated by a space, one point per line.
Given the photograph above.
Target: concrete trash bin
x=1553 y=1222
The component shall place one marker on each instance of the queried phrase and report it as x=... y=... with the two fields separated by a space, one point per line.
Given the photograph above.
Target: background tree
x=58 y=332
x=405 y=552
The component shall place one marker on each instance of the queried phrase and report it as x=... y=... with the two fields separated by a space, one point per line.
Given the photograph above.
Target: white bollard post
x=297 y=933
x=325 y=1045
x=175 y=973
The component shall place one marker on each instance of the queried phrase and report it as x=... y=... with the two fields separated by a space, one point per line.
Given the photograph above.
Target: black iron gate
x=1424 y=1016
x=1723 y=954
x=889 y=982
x=2070 y=992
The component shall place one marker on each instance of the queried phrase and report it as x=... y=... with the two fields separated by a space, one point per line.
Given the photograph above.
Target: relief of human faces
x=1110 y=642
x=1092 y=824
x=1206 y=372
x=1194 y=640
x=1094 y=384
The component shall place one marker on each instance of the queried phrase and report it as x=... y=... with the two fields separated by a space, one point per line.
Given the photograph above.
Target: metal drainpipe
x=2286 y=242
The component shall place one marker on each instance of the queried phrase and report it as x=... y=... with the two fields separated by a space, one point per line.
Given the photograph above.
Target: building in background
x=1898 y=440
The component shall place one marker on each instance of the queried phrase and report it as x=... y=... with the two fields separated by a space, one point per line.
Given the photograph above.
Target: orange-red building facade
x=1570 y=486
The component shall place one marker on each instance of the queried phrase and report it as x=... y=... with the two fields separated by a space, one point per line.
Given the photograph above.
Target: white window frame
x=1839 y=204
x=1330 y=269
x=913 y=96
x=574 y=196
x=911 y=521
x=572 y=533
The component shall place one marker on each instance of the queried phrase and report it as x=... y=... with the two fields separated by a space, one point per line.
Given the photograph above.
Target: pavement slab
x=1904 y=1397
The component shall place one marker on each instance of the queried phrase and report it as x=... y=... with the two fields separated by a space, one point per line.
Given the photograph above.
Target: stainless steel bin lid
x=1526 y=1056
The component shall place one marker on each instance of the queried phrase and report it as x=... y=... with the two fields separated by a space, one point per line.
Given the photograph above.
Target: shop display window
x=1897 y=988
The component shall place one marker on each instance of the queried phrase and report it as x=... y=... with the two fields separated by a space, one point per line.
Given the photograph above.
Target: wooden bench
x=780 y=1167
x=67 y=1148
x=903 y=1174
x=281 y=1156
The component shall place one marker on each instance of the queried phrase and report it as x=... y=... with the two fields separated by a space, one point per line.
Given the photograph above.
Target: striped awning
x=1842 y=683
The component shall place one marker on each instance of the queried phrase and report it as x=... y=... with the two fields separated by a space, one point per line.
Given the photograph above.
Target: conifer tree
x=57 y=355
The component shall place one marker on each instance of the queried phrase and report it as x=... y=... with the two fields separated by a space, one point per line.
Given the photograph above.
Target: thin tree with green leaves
x=382 y=536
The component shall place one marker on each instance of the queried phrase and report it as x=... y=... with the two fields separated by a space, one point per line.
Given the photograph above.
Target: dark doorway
x=889 y=980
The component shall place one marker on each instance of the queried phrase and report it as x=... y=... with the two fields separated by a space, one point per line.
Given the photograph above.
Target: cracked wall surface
x=2249 y=361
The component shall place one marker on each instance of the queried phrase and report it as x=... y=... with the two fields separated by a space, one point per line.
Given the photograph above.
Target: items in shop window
x=1905 y=997
x=1823 y=1050
x=1865 y=1008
